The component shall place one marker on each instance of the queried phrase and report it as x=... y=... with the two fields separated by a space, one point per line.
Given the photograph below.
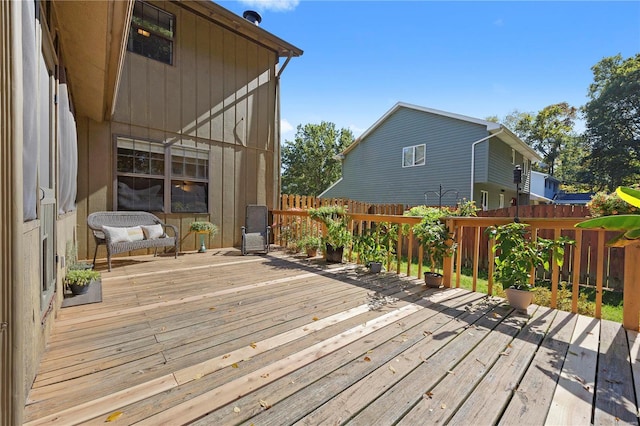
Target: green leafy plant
x=81 y=277
x=335 y=219
x=628 y=223
x=307 y=242
x=517 y=254
x=369 y=248
x=203 y=226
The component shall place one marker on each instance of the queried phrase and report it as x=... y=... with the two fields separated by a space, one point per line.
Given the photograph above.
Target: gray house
x=415 y=155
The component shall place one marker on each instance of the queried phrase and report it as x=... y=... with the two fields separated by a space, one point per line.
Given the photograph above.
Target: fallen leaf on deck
x=226 y=356
x=451 y=372
x=198 y=376
x=265 y=375
x=427 y=333
x=369 y=351
x=496 y=315
x=264 y=404
x=505 y=353
x=236 y=409
x=315 y=318
x=429 y=395
x=253 y=345
x=212 y=308
x=393 y=370
x=114 y=416
x=163 y=328
x=578 y=378
x=366 y=358
x=234 y=365
x=443 y=406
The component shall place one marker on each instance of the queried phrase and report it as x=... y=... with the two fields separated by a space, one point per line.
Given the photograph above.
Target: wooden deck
x=218 y=338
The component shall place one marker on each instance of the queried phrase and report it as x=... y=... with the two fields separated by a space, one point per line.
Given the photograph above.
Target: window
x=485 y=200
x=152 y=176
x=501 y=201
x=513 y=156
x=413 y=155
x=152 y=32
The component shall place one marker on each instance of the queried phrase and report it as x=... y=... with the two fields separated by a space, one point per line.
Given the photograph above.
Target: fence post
x=631 y=301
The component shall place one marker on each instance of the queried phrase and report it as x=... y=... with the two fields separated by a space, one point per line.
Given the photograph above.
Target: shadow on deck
x=218 y=338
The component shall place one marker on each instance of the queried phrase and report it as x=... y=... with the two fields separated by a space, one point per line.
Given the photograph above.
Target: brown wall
x=221 y=90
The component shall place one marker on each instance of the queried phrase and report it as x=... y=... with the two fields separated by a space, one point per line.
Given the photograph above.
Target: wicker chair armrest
x=169 y=226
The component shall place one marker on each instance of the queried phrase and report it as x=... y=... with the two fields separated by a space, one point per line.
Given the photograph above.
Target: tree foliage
x=613 y=122
x=308 y=162
x=548 y=131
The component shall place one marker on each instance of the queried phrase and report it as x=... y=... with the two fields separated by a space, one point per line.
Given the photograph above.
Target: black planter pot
x=78 y=289
x=334 y=255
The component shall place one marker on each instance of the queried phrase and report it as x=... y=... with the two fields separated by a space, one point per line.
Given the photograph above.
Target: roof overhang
x=238 y=24
x=508 y=137
x=536 y=197
x=93 y=35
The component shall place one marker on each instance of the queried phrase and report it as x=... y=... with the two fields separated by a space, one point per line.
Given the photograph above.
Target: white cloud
x=286 y=129
x=275 y=5
x=357 y=131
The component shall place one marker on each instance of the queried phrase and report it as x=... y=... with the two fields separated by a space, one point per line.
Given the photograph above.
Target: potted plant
x=369 y=248
x=79 y=279
x=310 y=244
x=203 y=228
x=438 y=243
x=337 y=235
x=517 y=255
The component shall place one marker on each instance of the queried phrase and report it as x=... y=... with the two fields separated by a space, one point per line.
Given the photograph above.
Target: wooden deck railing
x=293 y=223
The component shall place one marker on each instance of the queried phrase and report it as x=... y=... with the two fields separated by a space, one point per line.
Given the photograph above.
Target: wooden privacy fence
x=303 y=202
x=589 y=248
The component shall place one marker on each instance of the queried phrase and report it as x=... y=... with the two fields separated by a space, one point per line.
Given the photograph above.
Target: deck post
x=447 y=261
x=631 y=301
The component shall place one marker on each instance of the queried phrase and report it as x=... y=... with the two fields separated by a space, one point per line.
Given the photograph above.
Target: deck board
x=219 y=338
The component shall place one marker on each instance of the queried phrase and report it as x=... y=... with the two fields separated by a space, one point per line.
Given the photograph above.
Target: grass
x=611 y=300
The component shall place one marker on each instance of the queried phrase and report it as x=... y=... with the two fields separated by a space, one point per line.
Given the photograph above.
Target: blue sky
x=471 y=58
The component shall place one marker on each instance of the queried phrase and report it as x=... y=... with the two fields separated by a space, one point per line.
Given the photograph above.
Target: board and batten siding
x=220 y=91
x=373 y=171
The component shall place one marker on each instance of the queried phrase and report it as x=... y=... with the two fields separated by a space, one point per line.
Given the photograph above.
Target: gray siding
x=501 y=167
x=373 y=171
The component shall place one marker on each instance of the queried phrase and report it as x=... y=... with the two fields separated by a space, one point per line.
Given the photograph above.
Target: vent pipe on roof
x=252 y=16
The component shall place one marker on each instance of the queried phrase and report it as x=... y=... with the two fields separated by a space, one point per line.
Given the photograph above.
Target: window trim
x=134 y=27
x=413 y=155
x=484 y=199
x=167 y=177
x=513 y=156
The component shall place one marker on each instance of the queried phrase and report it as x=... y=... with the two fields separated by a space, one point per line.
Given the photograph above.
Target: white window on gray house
x=513 y=156
x=501 y=201
x=157 y=177
x=414 y=155
x=152 y=32
x=484 y=200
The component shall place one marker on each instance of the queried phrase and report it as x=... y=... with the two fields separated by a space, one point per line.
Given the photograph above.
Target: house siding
x=220 y=91
x=373 y=171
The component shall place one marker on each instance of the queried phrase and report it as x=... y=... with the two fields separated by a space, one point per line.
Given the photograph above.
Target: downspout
x=278 y=146
x=473 y=159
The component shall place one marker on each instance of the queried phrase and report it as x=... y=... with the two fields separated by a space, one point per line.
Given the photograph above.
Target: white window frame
x=513 y=156
x=484 y=200
x=501 y=201
x=411 y=150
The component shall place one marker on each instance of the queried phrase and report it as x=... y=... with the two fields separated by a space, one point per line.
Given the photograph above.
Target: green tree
x=613 y=122
x=308 y=163
x=549 y=131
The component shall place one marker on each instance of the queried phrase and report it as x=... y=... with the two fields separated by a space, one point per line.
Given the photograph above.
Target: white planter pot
x=519 y=299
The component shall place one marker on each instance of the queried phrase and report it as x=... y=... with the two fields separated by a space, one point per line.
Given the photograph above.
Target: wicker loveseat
x=125 y=231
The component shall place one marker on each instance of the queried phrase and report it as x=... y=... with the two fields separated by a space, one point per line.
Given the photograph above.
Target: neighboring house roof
x=497 y=129
x=545 y=176
x=537 y=197
x=575 y=198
